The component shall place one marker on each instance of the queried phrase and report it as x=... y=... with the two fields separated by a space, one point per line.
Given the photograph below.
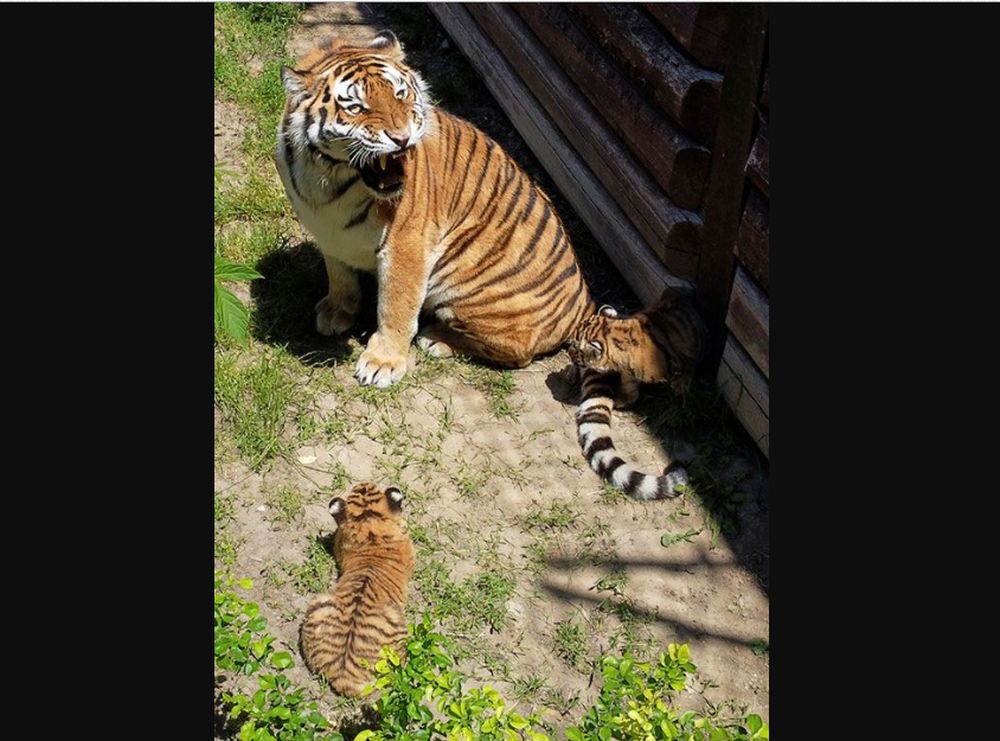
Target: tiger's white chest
x=340 y=215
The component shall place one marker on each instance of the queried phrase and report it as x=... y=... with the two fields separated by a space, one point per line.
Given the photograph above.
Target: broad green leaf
x=231 y=315
x=282 y=660
x=226 y=270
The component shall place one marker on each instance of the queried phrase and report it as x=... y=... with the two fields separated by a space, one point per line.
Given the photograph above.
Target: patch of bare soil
x=228 y=136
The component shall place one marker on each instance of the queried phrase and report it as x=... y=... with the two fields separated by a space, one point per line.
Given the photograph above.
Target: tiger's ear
x=608 y=310
x=395 y=498
x=338 y=508
x=295 y=82
x=387 y=44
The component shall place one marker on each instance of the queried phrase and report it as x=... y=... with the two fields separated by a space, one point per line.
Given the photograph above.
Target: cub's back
x=344 y=631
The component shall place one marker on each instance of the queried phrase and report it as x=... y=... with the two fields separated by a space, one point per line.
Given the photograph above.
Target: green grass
x=257 y=196
x=478 y=602
x=286 y=505
x=498 y=385
x=558 y=516
x=469 y=481
x=224 y=508
x=614 y=582
x=227 y=547
x=525 y=688
x=258 y=399
x=608 y=494
x=249 y=52
x=314 y=575
x=571 y=643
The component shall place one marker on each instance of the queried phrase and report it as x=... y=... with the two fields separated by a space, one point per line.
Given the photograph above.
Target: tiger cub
x=454 y=229
x=344 y=630
x=660 y=344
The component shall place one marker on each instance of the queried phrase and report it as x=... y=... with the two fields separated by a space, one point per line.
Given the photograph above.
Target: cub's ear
x=395 y=498
x=295 y=82
x=608 y=310
x=338 y=508
x=387 y=44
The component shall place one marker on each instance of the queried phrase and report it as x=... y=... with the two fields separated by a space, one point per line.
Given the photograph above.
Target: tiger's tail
x=593 y=419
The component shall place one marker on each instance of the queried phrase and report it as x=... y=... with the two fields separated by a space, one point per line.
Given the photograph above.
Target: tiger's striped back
x=344 y=630
x=502 y=271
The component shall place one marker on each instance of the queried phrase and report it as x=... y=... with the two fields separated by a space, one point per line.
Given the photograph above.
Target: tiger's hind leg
x=442 y=341
x=437 y=341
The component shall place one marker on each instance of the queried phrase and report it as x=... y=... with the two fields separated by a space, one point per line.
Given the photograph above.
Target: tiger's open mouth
x=384 y=175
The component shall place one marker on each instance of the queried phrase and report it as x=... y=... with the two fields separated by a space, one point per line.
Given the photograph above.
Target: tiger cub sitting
x=660 y=344
x=344 y=631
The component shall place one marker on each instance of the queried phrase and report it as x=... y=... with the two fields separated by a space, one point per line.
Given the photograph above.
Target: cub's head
x=588 y=347
x=357 y=104
x=367 y=515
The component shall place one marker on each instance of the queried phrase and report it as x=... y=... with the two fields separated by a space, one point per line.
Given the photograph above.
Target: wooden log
x=674 y=160
x=689 y=94
x=752 y=245
x=700 y=28
x=639 y=266
x=757 y=163
x=749 y=319
x=724 y=195
x=663 y=225
x=763 y=92
x=747 y=393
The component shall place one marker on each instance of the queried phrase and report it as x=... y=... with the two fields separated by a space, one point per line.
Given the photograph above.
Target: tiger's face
x=366 y=516
x=589 y=345
x=359 y=105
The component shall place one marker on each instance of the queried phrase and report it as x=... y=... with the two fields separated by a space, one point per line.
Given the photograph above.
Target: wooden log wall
x=622 y=104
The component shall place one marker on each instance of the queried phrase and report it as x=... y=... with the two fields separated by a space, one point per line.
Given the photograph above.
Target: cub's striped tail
x=593 y=419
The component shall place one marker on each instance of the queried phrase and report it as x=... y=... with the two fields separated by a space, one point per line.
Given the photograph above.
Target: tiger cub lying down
x=344 y=631
x=660 y=344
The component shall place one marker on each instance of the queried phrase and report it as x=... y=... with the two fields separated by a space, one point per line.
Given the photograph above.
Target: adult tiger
x=388 y=183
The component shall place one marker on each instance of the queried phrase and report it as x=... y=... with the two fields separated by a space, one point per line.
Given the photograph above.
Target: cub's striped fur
x=661 y=344
x=453 y=227
x=344 y=631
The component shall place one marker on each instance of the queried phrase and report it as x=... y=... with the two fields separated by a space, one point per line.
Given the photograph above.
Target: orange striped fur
x=344 y=631
x=452 y=226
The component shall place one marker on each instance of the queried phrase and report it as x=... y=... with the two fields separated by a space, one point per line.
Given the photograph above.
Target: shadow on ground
x=294 y=280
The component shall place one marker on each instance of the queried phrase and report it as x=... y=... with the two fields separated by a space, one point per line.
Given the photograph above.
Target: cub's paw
x=380 y=365
x=434 y=348
x=332 y=317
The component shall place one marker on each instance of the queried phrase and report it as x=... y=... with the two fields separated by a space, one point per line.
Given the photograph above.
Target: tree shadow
x=684 y=629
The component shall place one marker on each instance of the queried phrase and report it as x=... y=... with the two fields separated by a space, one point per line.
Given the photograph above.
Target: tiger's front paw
x=380 y=365
x=333 y=317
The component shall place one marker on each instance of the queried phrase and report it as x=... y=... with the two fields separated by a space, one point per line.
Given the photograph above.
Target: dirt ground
x=499 y=499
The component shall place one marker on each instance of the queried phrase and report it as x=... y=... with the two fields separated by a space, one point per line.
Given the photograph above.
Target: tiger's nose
x=400 y=138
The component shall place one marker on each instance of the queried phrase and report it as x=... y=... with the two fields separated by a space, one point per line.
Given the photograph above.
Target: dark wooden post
x=724 y=193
